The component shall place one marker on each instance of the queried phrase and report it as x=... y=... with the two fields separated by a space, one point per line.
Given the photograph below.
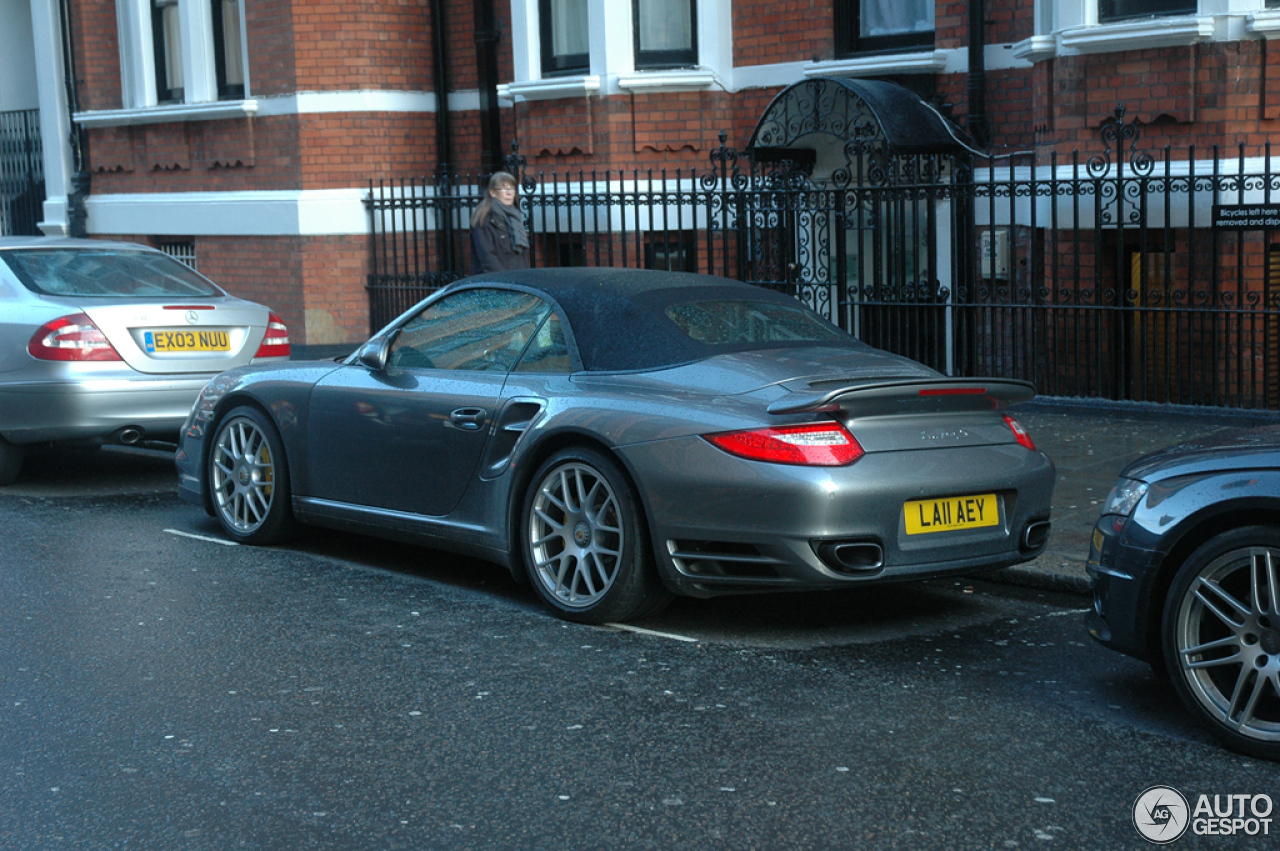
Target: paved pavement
x=1091 y=443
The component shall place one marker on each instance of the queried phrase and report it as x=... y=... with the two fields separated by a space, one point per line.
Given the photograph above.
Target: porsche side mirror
x=373 y=354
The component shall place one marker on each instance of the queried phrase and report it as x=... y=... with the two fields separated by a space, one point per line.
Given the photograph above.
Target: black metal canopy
x=874 y=113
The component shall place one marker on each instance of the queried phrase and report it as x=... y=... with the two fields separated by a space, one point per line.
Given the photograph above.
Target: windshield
x=734 y=323
x=110 y=273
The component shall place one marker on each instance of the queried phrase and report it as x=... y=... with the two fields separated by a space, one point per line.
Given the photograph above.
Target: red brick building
x=247 y=131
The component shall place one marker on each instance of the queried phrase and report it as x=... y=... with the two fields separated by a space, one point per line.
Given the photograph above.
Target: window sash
x=1123 y=10
x=563 y=27
x=865 y=26
x=166 y=33
x=228 y=49
x=666 y=33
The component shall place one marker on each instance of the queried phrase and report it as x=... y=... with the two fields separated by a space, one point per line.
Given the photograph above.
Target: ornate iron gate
x=21 y=173
x=1124 y=275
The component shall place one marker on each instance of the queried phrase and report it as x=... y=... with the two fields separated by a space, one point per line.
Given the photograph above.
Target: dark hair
x=485 y=207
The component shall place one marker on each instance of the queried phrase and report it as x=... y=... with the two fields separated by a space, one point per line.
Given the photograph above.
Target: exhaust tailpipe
x=1034 y=536
x=852 y=557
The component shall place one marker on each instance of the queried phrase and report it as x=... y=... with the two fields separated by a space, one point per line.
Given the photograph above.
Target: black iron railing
x=1126 y=275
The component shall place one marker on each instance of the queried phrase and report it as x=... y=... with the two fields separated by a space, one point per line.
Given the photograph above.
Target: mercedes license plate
x=168 y=342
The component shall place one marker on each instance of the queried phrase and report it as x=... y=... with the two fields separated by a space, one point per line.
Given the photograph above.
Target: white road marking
x=203 y=538
x=643 y=631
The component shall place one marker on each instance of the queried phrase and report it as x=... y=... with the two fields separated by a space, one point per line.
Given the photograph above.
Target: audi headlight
x=1124 y=497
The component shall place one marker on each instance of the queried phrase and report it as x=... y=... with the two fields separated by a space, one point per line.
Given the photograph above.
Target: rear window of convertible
x=105 y=273
x=736 y=323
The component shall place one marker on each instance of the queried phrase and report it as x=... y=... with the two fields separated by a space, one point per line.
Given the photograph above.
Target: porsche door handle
x=468 y=418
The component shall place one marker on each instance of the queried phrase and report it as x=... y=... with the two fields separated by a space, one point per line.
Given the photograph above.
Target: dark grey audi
x=1185 y=562
x=616 y=436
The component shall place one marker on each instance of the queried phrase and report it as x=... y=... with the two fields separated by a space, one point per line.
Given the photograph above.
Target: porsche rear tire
x=248 y=479
x=585 y=542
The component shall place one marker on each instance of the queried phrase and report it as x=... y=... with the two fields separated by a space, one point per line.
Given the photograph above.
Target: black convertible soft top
x=619 y=319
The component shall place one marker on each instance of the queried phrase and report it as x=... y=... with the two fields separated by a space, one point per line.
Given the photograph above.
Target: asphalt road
x=162 y=689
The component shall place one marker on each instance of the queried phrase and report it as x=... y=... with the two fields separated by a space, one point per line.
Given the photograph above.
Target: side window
x=863 y=26
x=1121 y=10
x=228 y=49
x=181 y=51
x=472 y=330
x=666 y=33
x=564 y=35
x=548 y=351
x=166 y=35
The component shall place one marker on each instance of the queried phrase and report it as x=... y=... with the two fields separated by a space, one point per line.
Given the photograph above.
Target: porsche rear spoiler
x=884 y=398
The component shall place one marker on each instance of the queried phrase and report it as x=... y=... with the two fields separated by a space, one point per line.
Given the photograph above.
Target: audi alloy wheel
x=1222 y=638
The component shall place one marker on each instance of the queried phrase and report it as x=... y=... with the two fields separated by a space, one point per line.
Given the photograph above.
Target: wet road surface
x=162 y=689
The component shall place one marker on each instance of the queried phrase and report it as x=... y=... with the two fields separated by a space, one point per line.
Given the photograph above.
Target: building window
x=228 y=49
x=1122 y=10
x=181 y=52
x=166 y=35
x=565 y=38
x=864 y=26
x=671 y=251
x=666 y=33
x=183 y=252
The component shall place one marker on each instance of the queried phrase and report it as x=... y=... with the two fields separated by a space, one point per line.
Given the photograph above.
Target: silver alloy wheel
x=575 y=534
x=1227 y=637
x=243 y=475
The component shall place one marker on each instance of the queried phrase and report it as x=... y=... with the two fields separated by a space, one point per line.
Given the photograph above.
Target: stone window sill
x=684 y=79
x=168 y=113
x=1036 y=48
x=1137 y=35
x=915 y=62
x=1265 y=24
x=549 y=89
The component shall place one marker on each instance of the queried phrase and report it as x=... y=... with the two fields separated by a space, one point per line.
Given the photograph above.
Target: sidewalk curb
x=1046 y=581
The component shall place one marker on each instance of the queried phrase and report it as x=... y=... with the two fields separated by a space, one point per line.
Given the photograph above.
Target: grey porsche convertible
x=614 y=437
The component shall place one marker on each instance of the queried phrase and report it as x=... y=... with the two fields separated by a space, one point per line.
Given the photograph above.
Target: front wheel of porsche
x=248 y=479
x=1221 y=634
x=585 y=542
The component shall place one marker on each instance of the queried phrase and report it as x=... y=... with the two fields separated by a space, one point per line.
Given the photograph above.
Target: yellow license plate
x=951 y=514
x=166 y=342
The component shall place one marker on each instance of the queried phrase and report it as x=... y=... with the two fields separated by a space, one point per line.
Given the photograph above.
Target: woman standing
x=499 y=239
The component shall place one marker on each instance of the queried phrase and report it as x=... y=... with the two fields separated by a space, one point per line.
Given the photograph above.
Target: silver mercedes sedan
x=617 y=436
x=107 y=342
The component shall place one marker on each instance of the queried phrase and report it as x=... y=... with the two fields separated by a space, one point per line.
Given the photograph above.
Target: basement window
x=184 y=252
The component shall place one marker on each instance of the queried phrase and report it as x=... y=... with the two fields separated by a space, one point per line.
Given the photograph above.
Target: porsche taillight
x=826 y=444
x=276 y=342
x=71 y=338
x=1019 y=433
